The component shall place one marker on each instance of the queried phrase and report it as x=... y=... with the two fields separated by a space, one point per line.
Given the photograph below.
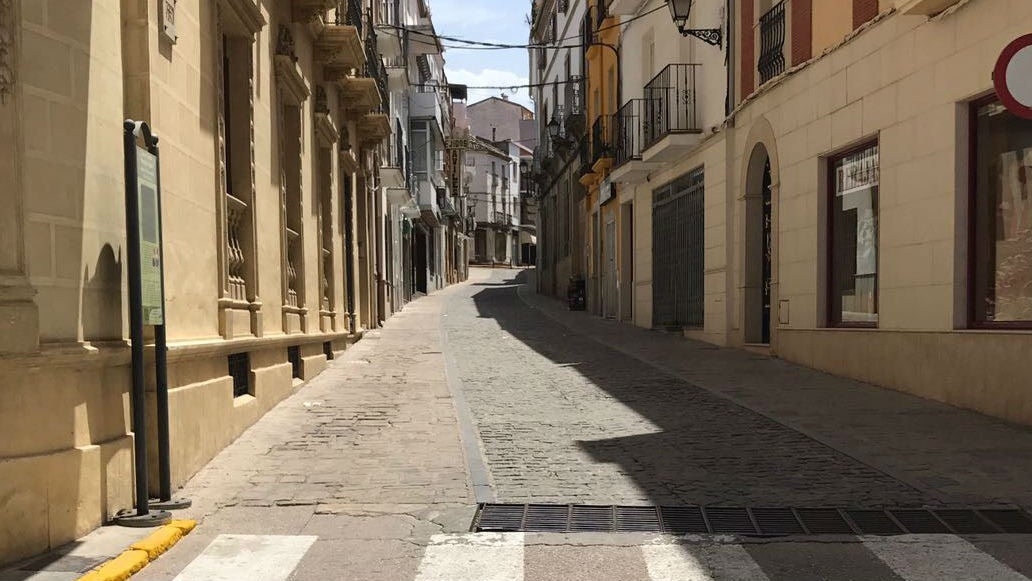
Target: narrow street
x=483 y=393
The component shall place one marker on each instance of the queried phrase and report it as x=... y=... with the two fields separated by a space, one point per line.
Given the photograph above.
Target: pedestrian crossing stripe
x=247 y=558
x=934 y=558
x=675 y=563
x=469 y=557
x=502 y=557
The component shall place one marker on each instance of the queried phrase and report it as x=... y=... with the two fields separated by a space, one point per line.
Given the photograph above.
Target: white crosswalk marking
x=248 y=557
x=473 y=557
x=938 y=558
x=700 y=563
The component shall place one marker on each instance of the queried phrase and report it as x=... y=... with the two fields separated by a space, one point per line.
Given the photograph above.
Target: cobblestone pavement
x=571 y=408
x=372 y=470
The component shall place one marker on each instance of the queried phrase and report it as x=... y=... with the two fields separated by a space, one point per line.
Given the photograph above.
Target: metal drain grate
x=760 y=521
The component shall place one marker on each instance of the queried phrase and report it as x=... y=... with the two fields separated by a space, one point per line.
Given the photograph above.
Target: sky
x=503 y=21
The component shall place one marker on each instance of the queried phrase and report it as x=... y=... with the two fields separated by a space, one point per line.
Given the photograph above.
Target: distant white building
x=492 y=180
x=504 y=137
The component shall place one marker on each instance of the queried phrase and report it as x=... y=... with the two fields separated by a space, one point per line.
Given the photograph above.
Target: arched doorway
x=759 y=247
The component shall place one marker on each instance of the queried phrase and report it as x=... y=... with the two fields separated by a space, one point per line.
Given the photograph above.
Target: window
x=1001 y=218
x=324 y=162
x=853 y=237
x=772 y=43
x=240 y=371
x=420 y=144
x=235 y=111
x=293 y=249
x=294 y=357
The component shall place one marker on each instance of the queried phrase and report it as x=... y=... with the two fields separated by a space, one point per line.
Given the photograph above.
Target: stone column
x=19 y=317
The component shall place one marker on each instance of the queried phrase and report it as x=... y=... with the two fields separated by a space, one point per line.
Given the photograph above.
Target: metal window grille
x=294 y=356
x=772 y=43
x=240 y=371
x=678 y=243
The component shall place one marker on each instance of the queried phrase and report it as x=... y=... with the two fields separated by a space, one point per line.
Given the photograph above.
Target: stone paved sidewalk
x=377 y=427
x=950 y=455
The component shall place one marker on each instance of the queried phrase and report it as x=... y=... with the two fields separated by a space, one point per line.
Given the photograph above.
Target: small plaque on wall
x=167 y=8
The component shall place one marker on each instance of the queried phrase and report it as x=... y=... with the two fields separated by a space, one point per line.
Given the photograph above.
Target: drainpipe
x=729 y=101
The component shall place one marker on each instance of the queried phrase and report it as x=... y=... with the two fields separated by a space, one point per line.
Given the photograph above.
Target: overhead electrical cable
x=484 y=45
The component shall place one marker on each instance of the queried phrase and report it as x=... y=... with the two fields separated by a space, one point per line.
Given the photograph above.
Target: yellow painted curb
x=141 y=553
x=120 y=568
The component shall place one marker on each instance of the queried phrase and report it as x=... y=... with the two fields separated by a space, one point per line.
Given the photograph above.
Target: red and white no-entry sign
x=1013 y=76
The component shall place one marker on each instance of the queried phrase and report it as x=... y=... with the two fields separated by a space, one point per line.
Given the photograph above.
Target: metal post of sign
x=165 y=500
x=142 y=517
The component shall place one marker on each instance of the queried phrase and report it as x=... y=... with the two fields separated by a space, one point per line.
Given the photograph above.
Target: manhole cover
x=748 y=521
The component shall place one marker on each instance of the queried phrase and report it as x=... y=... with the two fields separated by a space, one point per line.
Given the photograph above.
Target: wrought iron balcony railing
x=670 y=104
x=349 y=12
x=395 y=144
x=575 y=95
x=772 y=43
x=629 y=131
x=388 y=13
x=602 y=138
x=375 y=69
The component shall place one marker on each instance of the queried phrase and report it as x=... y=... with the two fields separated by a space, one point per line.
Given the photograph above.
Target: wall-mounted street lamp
x=553 y=129
x=680 y=10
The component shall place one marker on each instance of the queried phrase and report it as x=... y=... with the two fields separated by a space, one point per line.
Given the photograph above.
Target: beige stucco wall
x=65 y=436
x=904 y=81
x=710 y=156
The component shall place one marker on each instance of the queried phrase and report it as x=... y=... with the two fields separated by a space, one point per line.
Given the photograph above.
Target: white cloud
x=465 y=14
x=492 y=78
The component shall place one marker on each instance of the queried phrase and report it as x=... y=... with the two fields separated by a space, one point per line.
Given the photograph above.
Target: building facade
x=285 y=135
x=562 y=150
x=849 y=198
x=503 y=137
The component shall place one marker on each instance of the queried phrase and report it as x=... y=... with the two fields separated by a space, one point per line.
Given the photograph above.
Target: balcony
x=392 y=167
x=573 y=107
x=670 y=120
x=375 y=125
x=596 y=21
x=392 y=38
x=504 y=220
x=772 y=43
x=602 y=144
x=429 y=103
x=306 y=10
x=630 y=139
x=338 y=37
